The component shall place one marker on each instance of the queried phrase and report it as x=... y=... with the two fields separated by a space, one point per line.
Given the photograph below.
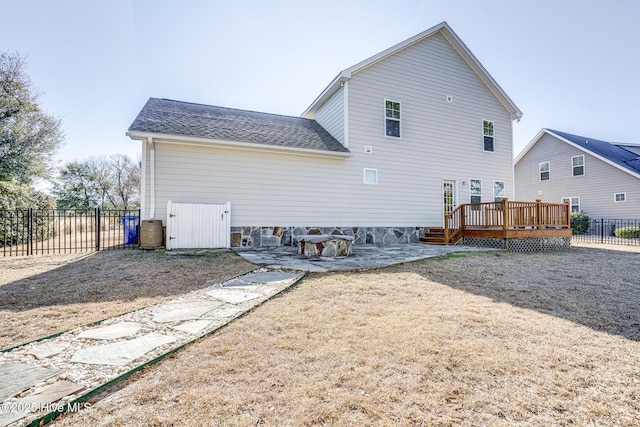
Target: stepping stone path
x=41 y=377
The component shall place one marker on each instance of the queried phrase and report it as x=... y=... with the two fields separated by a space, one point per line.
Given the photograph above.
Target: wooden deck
x=503 y=220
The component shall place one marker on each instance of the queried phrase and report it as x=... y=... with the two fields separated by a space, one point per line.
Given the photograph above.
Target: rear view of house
x=390 y=145
x=597 y=177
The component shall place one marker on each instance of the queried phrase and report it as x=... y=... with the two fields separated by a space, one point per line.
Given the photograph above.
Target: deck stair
x=434 y=236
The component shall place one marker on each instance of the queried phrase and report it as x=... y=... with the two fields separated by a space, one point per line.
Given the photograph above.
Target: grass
x=486 y=339
x=45 y=294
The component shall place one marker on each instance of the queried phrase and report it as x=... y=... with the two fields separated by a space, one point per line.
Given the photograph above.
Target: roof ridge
x=232 y=108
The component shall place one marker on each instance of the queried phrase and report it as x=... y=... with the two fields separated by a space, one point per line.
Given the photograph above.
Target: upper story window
x=620 y=197
x=498 y=191
x=577 y=162
x=487 y=133
x=475 y=190
x=544 y=171
x=392 y=118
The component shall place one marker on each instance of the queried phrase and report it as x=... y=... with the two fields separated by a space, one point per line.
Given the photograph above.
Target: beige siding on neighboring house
x=331 y=116
x=596 y=188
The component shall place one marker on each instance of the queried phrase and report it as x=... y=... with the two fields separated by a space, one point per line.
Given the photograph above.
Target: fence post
x=538 y=213
x=30 y=231
x=97 y=223
x=601 y=230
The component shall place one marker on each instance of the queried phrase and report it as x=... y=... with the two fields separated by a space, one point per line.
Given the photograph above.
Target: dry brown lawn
x=496 y=339
x=45 y=294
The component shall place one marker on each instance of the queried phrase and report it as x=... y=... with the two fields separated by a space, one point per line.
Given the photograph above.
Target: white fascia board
x=529 y=146
x=326 y=94
x=191 y=140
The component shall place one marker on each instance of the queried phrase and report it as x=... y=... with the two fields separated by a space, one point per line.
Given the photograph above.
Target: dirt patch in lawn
x=42 y=295
x=474 y=339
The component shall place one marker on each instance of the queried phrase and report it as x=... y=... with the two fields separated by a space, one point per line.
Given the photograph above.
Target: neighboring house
x=387 y=147
x=599 y=178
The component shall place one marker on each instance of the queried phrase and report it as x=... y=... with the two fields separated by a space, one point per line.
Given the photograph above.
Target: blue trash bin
x=130 y=223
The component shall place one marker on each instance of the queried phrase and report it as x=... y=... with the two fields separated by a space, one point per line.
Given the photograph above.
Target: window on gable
x=620 y=197
x=574 y=202
x=475 y=190
x=498 y=191
x=578 y=165
x=392 y=118
x=370 y=176
x=487 y=134
x=545 y=171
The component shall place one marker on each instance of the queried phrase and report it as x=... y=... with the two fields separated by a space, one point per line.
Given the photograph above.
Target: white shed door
x=198 y=225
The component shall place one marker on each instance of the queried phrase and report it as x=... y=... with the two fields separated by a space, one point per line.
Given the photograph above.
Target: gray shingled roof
x=170 y=117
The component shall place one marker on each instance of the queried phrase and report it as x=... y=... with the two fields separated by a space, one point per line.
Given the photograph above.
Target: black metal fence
x=34 y=231
x=611 y=231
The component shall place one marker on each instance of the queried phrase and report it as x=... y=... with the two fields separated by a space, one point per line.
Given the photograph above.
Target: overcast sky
x=569 y=65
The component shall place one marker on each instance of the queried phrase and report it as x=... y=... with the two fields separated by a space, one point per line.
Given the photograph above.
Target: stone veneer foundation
x=282 y=236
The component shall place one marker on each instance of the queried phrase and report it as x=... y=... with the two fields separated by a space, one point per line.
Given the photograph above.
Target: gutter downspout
x=152 y=178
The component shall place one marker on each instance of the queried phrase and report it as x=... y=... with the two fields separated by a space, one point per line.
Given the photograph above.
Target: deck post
x=505 y=214
x=538 y=213
x=567 y=213
x=446 y=228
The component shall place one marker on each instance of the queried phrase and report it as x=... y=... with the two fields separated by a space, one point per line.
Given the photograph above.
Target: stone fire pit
x=324 y=245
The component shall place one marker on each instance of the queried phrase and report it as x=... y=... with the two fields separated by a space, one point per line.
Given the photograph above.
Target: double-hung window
x=577 y=163
x=392 y=118
x=498 y=191
x=475 y=190
x=488 y=135
x=544 y=168
x=574 y=202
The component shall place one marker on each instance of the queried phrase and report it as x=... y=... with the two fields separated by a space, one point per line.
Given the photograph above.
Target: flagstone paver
x=193 y=326
x=113 y=331
x=123 y=352
x=47 y=349
x=17 y=377
x=183 y=310
x=233 y=296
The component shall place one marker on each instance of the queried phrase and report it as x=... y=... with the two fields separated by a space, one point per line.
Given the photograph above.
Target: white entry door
x=198 y=225
x=448 y=195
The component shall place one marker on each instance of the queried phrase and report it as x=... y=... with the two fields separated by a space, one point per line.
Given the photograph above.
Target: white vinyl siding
x=594 y=188
x=433 y=131
x=577 y=165
x=439 y=141
x=331 y=116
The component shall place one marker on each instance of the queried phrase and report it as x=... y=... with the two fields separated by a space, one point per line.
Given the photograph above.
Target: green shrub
x=579 y=222
x=628 y=232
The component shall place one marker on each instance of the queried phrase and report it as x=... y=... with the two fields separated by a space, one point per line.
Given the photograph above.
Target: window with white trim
x=620 y=197
x=545 y=171
x=370 y=176
x=392 y=118
x=487 y=135
x=498 y=191
x=475 y=190
x=574 y=202
x=577 y=164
